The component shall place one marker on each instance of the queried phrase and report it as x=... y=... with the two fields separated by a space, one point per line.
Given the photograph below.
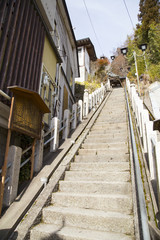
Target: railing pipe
x=26 y=150
x=25 y=162
x=142 y=206
x=8 y=166
x=5 y=95
x=49 y=140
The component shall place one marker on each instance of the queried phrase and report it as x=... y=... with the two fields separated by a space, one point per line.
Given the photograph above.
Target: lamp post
x=135 y=59
x=124 y=52
x=143 y=47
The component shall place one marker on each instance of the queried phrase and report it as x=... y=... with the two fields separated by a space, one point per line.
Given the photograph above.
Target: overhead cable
x=92 y=26
x=128 y=13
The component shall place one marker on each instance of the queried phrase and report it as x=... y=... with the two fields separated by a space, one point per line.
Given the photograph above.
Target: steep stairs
x=94 y=201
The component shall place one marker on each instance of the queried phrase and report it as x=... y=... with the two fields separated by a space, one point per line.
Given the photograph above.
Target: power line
x=92 y=26
x=128 y=13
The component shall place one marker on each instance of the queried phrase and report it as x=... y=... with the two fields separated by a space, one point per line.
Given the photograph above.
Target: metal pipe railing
x=49 y=140
x=25 y=162
x=140 y=193
x=5 y=95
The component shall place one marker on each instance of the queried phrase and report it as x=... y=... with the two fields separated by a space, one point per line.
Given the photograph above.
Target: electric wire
x=128 y=13
x=93 y=27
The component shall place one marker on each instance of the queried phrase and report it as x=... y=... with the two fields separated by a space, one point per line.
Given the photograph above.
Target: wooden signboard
x=26 y=112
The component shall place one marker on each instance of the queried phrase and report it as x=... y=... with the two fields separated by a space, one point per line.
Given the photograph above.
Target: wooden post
x=4 y=168
x=32 y=158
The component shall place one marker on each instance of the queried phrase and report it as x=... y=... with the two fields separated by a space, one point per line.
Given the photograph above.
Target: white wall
x=87 y=61
x=84 y=64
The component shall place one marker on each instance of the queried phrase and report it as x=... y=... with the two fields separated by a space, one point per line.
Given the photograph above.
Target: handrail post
x=74 y=114
x=90 y=102
x=66 y=118
x=93 y=99
x=86 y=102
x=38 y=162
x=54 y=144
x=80 y=116
x=150 y=133
x=11 y=188
x=144 y=119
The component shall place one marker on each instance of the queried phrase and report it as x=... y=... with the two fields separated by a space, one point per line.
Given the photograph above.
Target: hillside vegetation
x=146 y=32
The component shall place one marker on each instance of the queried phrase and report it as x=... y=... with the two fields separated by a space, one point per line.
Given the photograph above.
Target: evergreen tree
x=149 y=14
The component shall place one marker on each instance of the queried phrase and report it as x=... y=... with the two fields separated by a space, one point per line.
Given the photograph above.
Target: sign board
x=28 y=110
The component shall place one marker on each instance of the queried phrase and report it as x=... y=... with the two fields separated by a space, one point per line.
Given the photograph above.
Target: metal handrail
x=142 y=206
x=25 y=162
x=51 y=130
x=64 y=122
x=71 y=120
x=26 y=150
x=5 y=95
x=61 y=128
x=49 y=140
x=8 y=166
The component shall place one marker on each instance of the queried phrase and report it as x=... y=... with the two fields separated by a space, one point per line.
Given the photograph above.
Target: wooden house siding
x=21 y=45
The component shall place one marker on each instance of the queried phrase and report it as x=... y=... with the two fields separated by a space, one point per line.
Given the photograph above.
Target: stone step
x=104 y=130
x=121 y=114
x=121 y=111
x=112 y=119
x=96 y=187
x=107 y=146
x=109 y=126
x=109 y=166
x=105 y=158
x=97 y=176
x=98 y=123
x=52 y=231
x=101 y=152
x=89 y=219
x=106 y=139
x=115 y=104
x=112 y=203
x=110 y=108
x=108 y=134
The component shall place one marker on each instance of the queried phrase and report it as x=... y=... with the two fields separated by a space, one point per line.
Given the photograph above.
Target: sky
x=106 y=23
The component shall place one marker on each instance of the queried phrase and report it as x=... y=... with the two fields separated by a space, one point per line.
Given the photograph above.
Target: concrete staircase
x=94 y=201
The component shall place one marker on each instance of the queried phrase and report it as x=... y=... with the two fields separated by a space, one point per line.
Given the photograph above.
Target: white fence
x=80 y=110
x=150 y=144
